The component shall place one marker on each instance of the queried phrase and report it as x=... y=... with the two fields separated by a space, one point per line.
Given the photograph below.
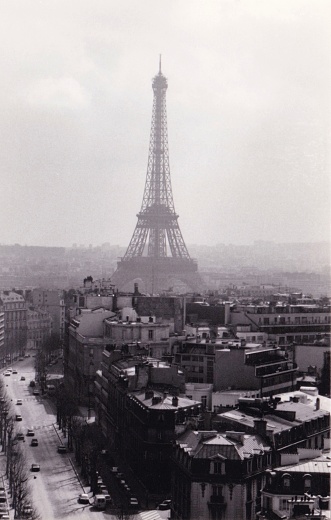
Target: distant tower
x=157 y=231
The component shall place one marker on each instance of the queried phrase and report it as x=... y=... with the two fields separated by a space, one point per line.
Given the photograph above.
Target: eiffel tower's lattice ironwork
x=157 y=252
x=157 y=219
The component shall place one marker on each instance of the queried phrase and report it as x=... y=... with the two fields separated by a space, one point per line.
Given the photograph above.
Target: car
x=163 y=507
x=83 y=498
x=34 y=442
x=32 y=383
x=19 y=417
x=134 y=502
x=14 y=372
x=9 y=369
x=27 y=512
x=114 y=469
x=36 y=392
x=119 y=475
x=19 y=401
x=61 y=449
x=20 y=436
x=30 y=432
x=107 y=497
x=20 y=359
x=102 y=488
x=27 y=355
x=35 y=467
x=22 y=378
x=7 y=373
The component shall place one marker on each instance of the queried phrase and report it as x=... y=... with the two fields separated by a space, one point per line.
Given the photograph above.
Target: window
x=151 y=334
x=218 y=467
x=307 y=482
x=217 y=491
x=265 y=321
x=286 y=481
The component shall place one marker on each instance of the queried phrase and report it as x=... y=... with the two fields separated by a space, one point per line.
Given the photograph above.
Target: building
x=219 y=475
x=299 y=488
x=15 y=324
x=82 y=357
x=286 y=425
x=2 y=336
x=141 y=412
x=284 y=323
x=218 y=361
x=146 y=330
x=52 y=301
x=40 y=325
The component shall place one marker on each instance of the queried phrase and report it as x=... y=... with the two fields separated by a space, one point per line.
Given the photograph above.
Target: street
x=55 y=489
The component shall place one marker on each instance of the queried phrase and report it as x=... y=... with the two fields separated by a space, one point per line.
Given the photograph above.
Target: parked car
x=100 y=501
x=22 y=378
x=34 y=442
x=62 y=449
x=19 y=401
x=14 y=371
x=19 y=417
x=83 y=498
x=35 y=467
x=20 y=436
x=36 y=392
x=30 y=432
x=134 y=504
x=7 y=373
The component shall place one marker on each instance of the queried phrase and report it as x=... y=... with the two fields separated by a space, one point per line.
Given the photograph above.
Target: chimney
x=260 y=426
x=318 y=403
x=175 y=401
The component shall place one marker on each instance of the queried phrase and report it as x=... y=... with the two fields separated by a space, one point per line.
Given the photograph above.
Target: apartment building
x=284 y=323
x=219 y=475
x=140 y=411
x=52 y=301
x=15 y=324
x=40 y=326
x=83 y=351
x=299 y=488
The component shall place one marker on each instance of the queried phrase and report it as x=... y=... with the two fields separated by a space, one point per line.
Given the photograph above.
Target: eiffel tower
x=157 y=257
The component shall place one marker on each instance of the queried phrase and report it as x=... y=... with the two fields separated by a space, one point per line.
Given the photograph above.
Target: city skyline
x=248 y=119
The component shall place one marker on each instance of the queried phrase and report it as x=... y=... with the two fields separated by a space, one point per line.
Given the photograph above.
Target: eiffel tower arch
x=157 y=256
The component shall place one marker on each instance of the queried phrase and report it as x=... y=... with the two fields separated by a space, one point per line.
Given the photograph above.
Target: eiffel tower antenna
x=157 y=245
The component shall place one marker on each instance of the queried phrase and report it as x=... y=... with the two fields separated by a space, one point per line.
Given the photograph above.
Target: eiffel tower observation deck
x=157 y=257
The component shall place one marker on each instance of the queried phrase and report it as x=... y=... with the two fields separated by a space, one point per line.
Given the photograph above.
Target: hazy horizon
x=248 y=106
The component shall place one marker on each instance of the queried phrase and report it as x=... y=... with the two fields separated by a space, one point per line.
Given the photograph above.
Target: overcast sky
x=248 y=106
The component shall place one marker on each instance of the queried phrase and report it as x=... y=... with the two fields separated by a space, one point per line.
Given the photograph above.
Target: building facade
x=52 y=301
x=141 y=413
x=15 y=324
x=219 y=476
x=40 y=326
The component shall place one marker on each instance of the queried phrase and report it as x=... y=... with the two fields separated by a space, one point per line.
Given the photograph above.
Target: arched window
x=307 y=482
x=286 y=479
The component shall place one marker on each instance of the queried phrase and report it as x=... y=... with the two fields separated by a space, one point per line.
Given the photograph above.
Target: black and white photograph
x=165 y=247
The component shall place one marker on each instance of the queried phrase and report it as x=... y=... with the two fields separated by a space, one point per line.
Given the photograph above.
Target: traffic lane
x=55 y=489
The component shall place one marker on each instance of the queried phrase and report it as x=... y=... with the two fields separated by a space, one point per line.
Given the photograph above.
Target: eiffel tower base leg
x=157 y=276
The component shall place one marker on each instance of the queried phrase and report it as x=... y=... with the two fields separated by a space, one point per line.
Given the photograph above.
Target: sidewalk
x=5 y=484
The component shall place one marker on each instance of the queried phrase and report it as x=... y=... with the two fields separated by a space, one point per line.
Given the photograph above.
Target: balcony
x=275 y=369
x=216 y=499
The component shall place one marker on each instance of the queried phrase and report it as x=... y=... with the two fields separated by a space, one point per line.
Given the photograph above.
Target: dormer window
x=307 y=482
x=218 y=467
x=286 y=479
